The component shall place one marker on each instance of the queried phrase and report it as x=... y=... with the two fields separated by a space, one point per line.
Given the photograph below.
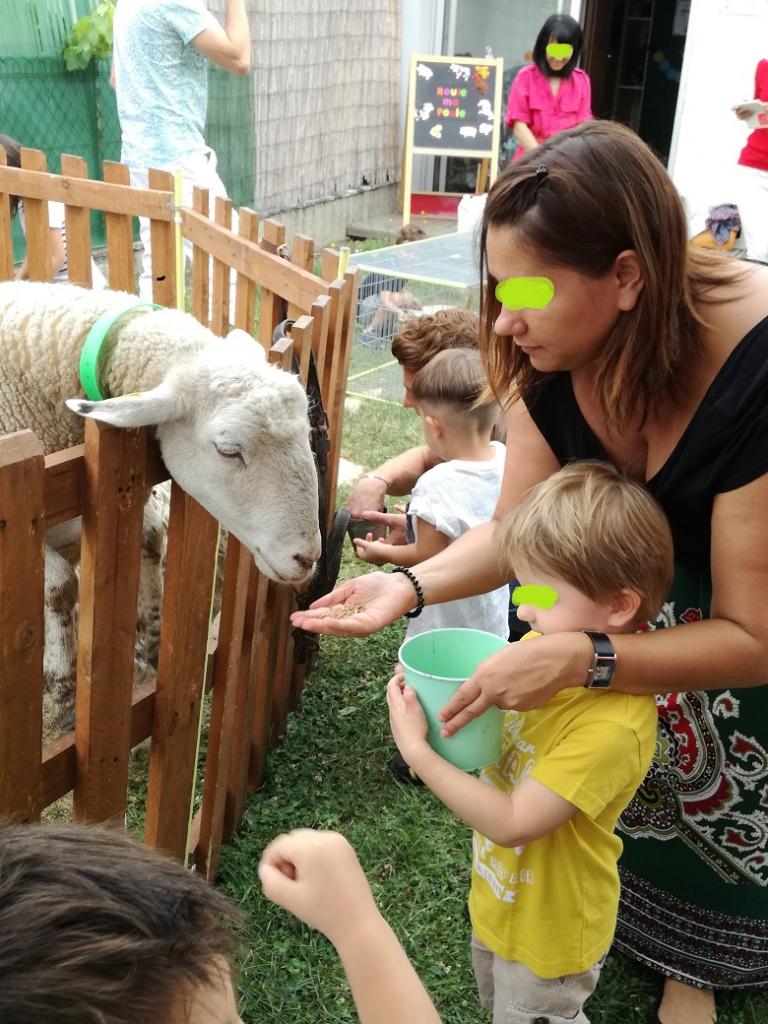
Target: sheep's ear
x=240 y=335
x=160 y=405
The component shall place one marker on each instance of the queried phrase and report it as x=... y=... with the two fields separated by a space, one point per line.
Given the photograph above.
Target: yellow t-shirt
x=552 y=904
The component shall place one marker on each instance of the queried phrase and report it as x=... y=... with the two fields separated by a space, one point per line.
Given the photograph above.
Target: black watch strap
x=601 y=671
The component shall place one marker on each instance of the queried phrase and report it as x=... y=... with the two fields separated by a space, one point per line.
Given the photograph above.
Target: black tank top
x=724 y=446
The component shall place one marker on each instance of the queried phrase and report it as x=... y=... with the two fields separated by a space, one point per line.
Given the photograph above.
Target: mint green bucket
x=435 y=664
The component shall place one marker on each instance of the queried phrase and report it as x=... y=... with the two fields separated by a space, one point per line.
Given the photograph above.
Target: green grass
x=331 y=771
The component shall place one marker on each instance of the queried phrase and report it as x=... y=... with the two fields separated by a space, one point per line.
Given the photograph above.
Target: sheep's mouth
x=278 y=577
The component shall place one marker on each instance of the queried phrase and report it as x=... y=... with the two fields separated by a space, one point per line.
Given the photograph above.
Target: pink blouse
x=531 y=101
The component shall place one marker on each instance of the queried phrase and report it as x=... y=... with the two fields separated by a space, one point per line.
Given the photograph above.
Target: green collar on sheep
x=96 y=349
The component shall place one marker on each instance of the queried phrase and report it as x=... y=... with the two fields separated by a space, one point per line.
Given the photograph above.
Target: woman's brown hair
x=577 y=201
x=98 y=929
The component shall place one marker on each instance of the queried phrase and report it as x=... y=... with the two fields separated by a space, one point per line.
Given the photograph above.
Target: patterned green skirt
x=694 y=873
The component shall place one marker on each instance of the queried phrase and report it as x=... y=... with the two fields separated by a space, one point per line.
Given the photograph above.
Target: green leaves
x=90 y=38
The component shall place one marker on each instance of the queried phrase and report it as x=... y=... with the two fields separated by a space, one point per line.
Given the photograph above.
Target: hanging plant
x=90 y=38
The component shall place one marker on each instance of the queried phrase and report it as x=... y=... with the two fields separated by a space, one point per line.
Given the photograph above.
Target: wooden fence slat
x=192 y=539
x=321 y=320
x=109 y=587
x=78 y=227
x=237 y=571
x=121 y=274
x=265 y=678
x=295 y=285
x=245 y=300
x=22 y=546
x=163 y=243
x=93 y=195
x=36 y=229
x=340 y=373
x=6 y=238
x=200 y=264
x=220 y=311
x=329 y=265
x=302 y=255
x=272 y=307
x=237 y=788
x=281 y=354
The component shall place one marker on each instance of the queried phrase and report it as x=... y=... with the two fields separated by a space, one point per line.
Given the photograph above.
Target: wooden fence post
x=109 y=587
x=22 y=547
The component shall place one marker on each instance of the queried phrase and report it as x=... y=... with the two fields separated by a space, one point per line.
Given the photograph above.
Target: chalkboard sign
x=455 y=107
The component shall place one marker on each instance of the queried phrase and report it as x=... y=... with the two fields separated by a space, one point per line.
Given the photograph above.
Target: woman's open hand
x=360 y=606
x=521 y=676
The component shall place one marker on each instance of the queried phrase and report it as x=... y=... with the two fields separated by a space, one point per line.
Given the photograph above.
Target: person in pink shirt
x=551 y=94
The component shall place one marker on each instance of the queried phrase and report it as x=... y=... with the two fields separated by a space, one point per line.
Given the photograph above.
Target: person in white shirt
x=459 y=492
x=160 y=76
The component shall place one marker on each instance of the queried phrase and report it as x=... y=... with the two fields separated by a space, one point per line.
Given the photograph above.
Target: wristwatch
x=601 y=671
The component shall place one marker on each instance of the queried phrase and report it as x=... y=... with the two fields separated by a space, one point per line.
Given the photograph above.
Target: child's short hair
x=593 y=528
x=424 y=336
x=97 y=927
x=409 y=233
x=454 y=382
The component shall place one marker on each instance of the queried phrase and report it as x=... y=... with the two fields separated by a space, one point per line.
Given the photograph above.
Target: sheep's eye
x=229 y=451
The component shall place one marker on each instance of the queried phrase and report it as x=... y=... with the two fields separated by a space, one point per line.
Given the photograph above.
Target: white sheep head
x=234 y=433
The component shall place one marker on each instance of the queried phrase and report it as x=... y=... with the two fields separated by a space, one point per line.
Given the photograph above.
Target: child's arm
x=429 y=542
x=57 y=252
x=531 y=811
x=316 y=876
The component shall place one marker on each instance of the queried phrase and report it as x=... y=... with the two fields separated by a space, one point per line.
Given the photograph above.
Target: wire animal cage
x=398 y=283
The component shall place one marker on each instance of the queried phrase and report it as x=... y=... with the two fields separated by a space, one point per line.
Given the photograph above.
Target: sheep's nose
x=305 y=563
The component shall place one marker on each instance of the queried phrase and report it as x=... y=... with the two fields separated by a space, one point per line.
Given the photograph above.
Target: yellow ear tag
x=536 y=596
x=559 y=51
x=525 y=292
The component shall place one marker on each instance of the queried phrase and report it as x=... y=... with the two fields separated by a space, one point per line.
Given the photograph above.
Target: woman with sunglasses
x=606 y=336
x=551 y=94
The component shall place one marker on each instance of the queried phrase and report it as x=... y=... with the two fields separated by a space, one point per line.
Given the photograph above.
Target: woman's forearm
x=524 y=136
x=402 y=471
x=468 y=566
x=709 y=655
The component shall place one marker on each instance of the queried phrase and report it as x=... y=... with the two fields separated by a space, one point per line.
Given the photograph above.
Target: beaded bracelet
x=417 y=587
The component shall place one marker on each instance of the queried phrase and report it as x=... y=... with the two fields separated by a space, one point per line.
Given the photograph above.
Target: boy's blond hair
x=595 y=529
x=452 y=384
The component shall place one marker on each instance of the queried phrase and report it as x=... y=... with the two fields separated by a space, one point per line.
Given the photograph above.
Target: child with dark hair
x=551 y=94
x=98 y=929
x=56 y=224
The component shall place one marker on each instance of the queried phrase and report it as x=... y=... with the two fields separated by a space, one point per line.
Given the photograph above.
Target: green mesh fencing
x=46 y=107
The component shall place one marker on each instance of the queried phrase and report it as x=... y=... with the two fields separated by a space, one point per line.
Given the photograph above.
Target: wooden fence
x=254 y=679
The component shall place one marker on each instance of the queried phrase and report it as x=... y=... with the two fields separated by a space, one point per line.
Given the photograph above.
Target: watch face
x=603 y=673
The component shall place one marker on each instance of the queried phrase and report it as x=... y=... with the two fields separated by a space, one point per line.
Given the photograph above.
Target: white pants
x=751 y=190
x=200 y=171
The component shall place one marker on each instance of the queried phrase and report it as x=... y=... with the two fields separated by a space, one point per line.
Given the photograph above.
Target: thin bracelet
x=417 y=587
x=375 y=476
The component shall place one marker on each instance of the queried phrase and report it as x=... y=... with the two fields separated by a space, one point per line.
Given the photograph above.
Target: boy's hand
x=317 y=877
x=371 y=550
x=406 y=719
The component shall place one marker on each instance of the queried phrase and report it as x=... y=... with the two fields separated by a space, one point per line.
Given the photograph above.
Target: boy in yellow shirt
x=591 y=550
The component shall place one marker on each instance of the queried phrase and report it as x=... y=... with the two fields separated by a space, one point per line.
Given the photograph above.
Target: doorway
x=633 y=54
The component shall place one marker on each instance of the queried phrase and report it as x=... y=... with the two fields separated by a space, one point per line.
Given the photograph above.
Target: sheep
x=233 y=430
